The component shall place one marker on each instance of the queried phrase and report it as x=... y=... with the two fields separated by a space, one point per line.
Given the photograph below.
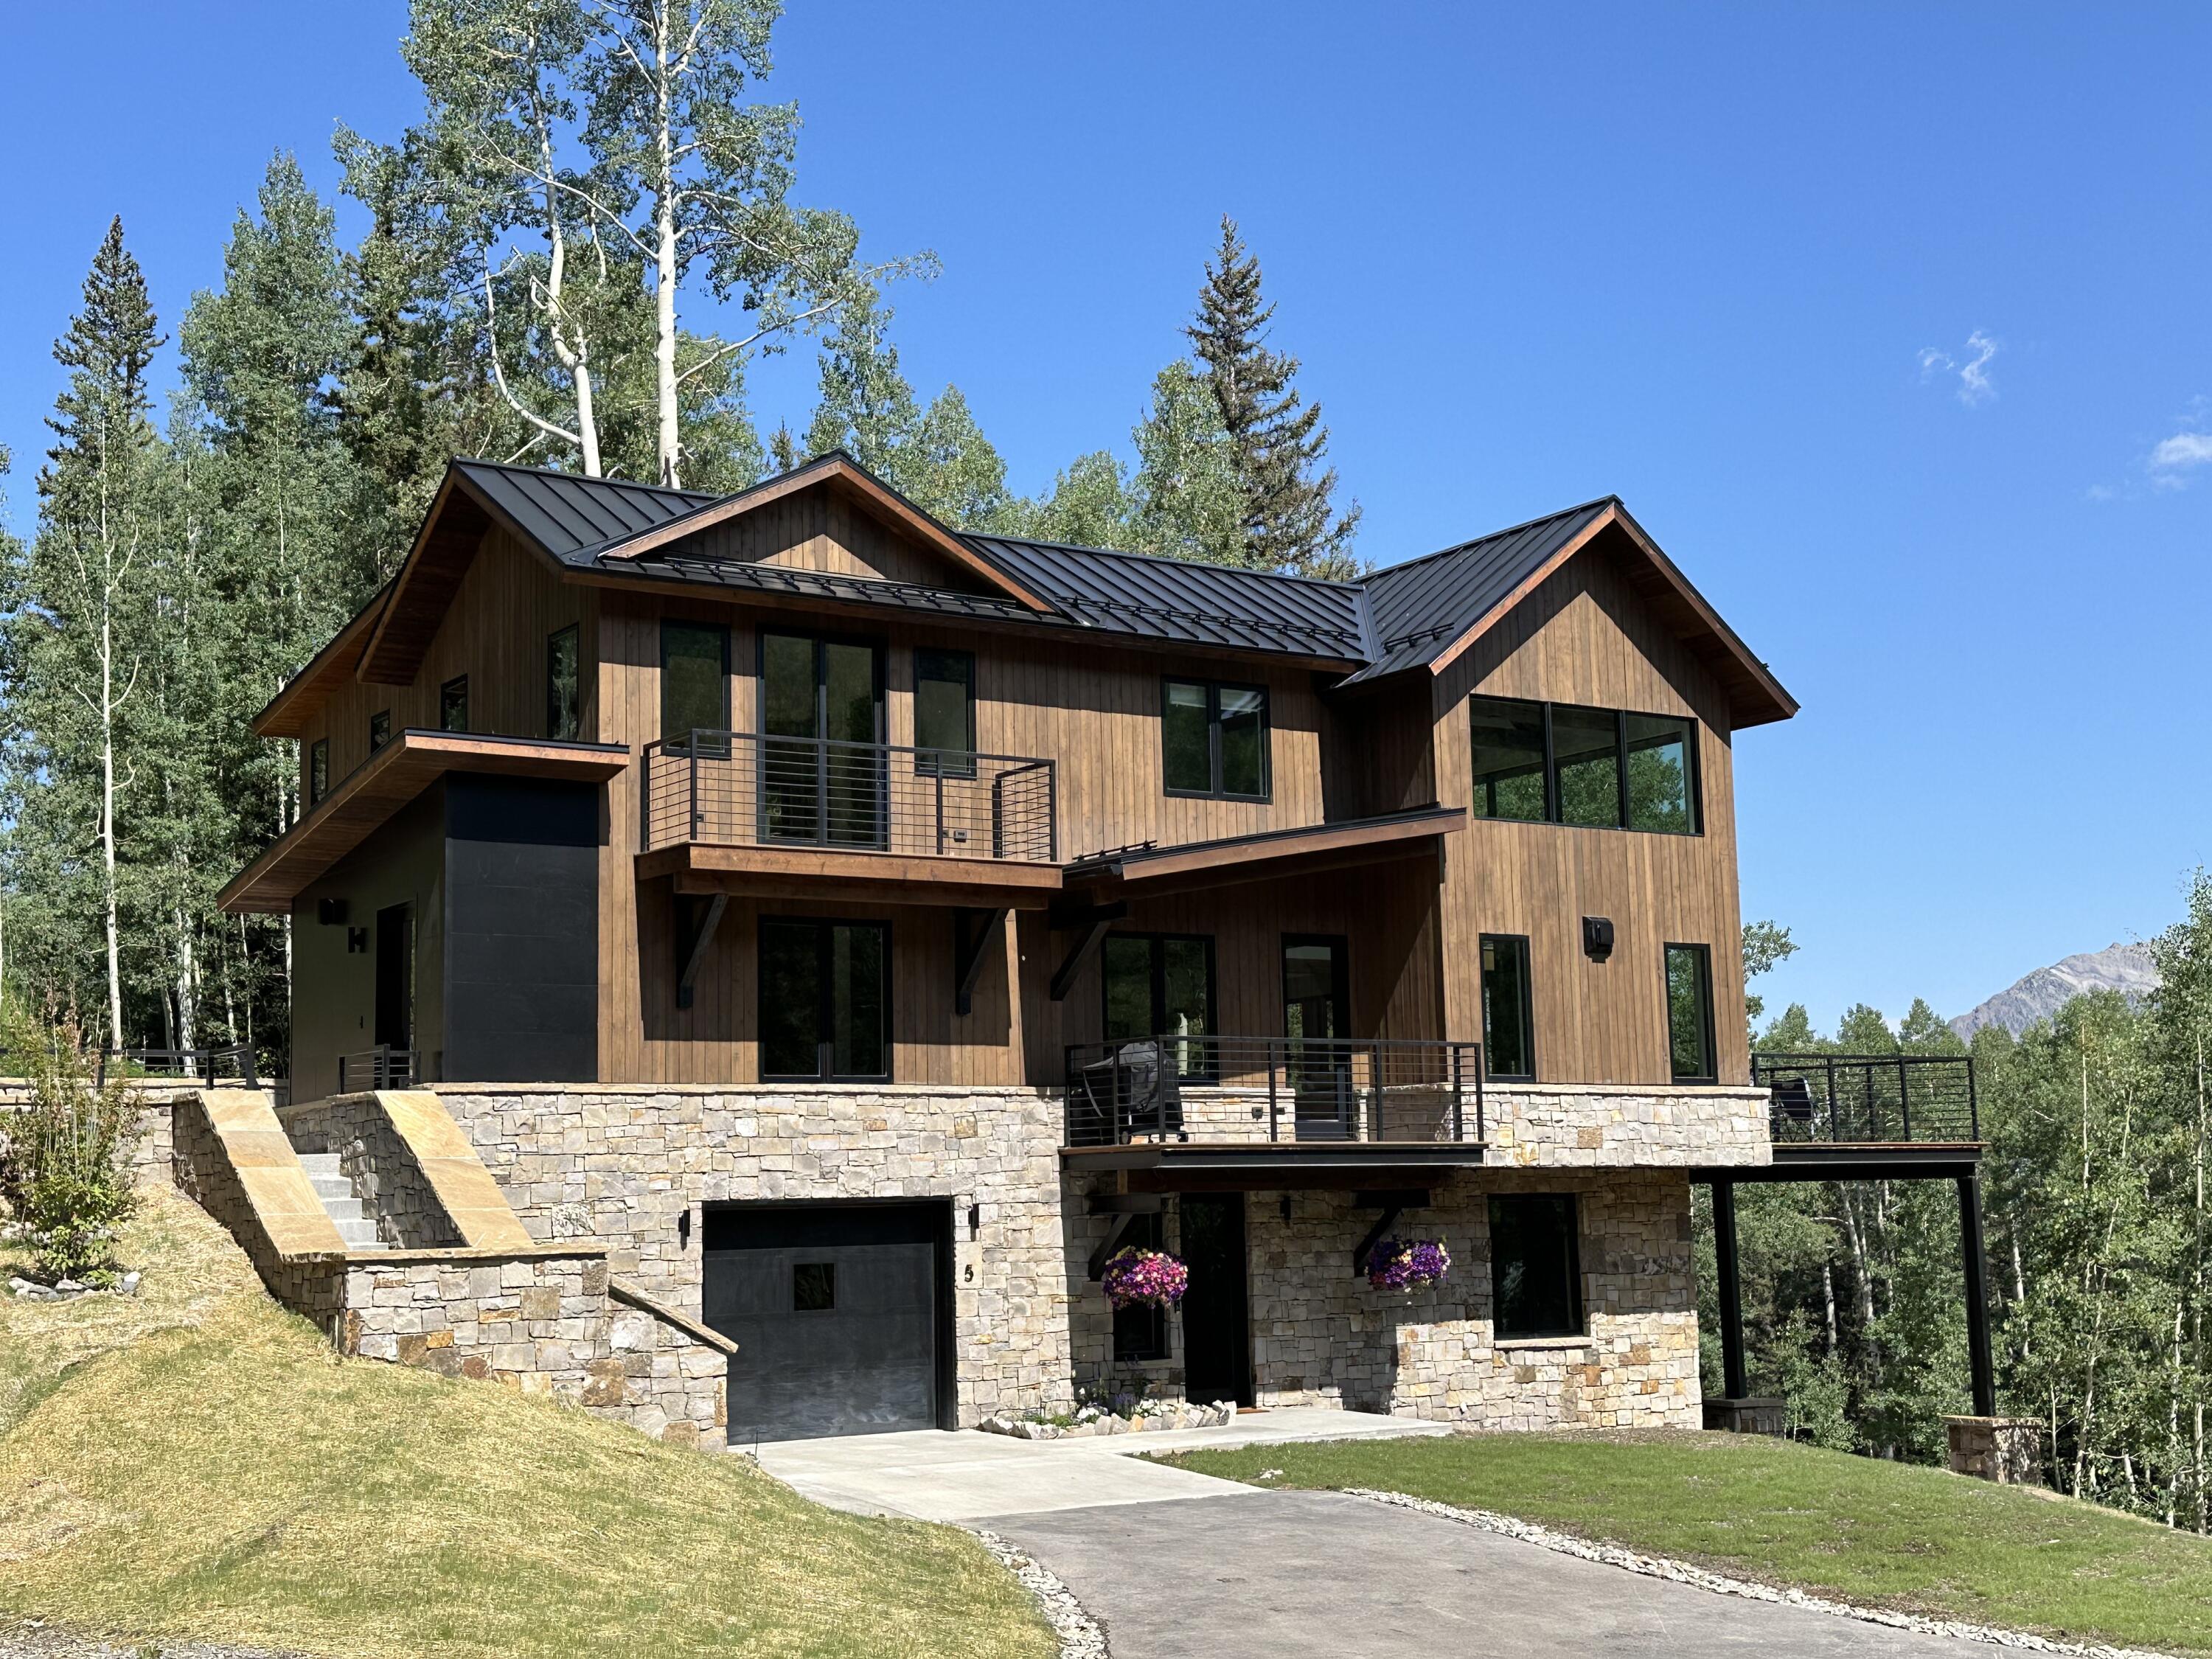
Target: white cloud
x=1975 y=385
x=2181 y=452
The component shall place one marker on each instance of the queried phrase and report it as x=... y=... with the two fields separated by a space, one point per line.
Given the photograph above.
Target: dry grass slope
x=196 y=1463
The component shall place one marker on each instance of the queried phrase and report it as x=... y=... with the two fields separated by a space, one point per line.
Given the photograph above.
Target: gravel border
x=37 y=1638
x=1681 y=1572
x=1080 y=1635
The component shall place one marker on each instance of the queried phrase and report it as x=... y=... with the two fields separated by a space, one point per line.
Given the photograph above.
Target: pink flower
x=1136 y=1277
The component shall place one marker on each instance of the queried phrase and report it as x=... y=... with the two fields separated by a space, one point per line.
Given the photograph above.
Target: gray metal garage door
x=835 y=1309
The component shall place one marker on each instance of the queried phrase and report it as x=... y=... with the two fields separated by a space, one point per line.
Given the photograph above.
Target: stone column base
x=1752 y=1414
x=2006 y=1450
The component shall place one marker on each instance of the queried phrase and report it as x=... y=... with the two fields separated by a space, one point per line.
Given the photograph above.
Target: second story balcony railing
x=1870 y=1099
x=748 y=789
x=1184 y=1087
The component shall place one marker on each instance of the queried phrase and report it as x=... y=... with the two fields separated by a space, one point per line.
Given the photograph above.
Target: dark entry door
x=822 y=724
x=1317 y=1020
x=395 y=977
x=840 y=1314
x=1217 y=1330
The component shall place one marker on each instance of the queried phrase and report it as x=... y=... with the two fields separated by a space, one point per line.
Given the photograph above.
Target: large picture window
x=563 y=702
x=1689 y=1013
x=1162 y=985
x=454 y=705
x=824 y=1000
x=1600 y=768
x=1213 y=740
x=695 y=681
x=1509 y=1041
x=1536 y=1266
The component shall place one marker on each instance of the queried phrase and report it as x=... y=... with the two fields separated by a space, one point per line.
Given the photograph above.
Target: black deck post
x=1978 y=1296
x=1731 y=1291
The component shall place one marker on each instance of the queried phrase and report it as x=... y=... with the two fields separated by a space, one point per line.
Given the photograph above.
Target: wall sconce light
x=975 y=1221
x=1286 y=1206
x=683 y=1230
x=1597 y=937
x=331 y=912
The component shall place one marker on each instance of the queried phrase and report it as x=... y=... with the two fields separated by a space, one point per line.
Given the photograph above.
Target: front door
x=1217 y=1330
x=1316 y=1021
x=395 y=979
x=822 y=728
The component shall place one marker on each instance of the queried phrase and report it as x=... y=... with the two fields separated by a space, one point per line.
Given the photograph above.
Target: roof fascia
x=1528 y=584
x=282 y=716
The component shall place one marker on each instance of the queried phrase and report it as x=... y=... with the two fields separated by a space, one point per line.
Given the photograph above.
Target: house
x=861 y=929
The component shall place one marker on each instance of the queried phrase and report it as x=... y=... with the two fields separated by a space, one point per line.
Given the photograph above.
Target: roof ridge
x=1163 y=558
x=1492 y=535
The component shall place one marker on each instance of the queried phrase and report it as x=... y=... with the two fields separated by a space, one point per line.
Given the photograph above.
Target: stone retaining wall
x=231 y=1159
x=376 y=1159
x=152 y=1149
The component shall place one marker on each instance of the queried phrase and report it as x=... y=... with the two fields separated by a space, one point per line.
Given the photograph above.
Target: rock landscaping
x=65 y=1290
x=1156 y=1416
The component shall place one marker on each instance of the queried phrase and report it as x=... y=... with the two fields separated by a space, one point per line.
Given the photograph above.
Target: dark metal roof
x=757 y=578
x=1421 y=606
x=573 y=517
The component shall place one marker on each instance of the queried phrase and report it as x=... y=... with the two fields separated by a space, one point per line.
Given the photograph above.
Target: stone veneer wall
x=151 y=1151
x=620 y=1164
x=1322 y=1336
x=1584 y=1125
x=383 y=1168
x=212 y=1140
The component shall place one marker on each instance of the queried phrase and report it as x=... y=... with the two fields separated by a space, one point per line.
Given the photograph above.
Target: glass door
x=822 y=760
x=1317 y=1023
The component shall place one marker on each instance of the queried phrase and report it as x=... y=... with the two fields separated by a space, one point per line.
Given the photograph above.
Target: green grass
x=1876 y=1534
x=198 y=1464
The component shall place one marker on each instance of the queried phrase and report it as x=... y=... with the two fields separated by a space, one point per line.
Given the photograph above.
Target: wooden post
x=1731 y=1291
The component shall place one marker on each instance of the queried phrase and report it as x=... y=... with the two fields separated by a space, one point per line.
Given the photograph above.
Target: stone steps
x=354 y=1225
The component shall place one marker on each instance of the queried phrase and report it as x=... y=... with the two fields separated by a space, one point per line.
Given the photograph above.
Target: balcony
x=736 y=811
x=1856 y=1117
x=1215 y=1106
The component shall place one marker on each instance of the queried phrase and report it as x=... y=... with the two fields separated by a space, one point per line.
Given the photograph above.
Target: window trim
x=319 y=770
x=1213 y=689
x=1579 y=1304
x=948 y=762
x=1693 y=784
x=573 y=631
x=1527 y=1006
x=1704 y=959
x=380 y=729
x=1159 y=981
x=445 y=690
x=824 y=1045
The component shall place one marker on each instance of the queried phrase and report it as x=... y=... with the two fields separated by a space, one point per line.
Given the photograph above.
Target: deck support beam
x=1094 y=922
x=1978 y=1361
x=695 y=953
x=1730 y=1289
x=972 y=932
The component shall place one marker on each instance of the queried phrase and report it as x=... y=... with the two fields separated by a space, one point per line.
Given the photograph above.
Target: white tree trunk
x=665 y=264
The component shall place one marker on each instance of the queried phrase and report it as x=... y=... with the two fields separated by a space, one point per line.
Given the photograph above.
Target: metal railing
x=1183 y=1087
x=747 y=789
x=210 y=1064
x=1870 y=1099
x=381 y=1067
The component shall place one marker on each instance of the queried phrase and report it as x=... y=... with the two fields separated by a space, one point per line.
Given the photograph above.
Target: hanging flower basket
x=1406 y=1264
x=1139 y=1278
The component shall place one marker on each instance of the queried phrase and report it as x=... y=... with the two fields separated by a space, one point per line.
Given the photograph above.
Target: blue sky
x=1891 y=323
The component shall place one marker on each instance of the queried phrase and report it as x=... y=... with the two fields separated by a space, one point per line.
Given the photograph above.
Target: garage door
x=835 y=1309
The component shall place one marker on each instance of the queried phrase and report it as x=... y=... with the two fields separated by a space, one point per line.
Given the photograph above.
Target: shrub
x=63 y=1172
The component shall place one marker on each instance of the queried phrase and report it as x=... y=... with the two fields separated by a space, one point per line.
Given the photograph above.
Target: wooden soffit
x=818 y=873
x=367 y=798
x=1149 y=872
x=423 y=592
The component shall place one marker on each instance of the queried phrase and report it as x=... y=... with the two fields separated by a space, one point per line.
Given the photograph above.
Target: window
x=825 y=1000
x=454 y=705
x=813 y=1286
x=1141 y=1332
x=1213 y=740
x=1162 y=985
x=319 y=770
x=380 y=729
x=944 y=712
x=1689 y=1013
x=1599 y=769
x=1535 y=1268
x=1508 y=1043
x=695 y=681
x=563 y=710
x=1509 y=759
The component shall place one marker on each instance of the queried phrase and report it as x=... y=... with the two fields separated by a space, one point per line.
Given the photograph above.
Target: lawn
x=1877 y=1533
x=195 y=1463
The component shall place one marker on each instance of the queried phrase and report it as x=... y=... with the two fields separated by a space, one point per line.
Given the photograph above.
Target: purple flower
x=1409 y=1264
x=1138 y=1277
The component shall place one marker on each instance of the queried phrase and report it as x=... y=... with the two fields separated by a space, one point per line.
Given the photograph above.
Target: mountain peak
x=2127 y=969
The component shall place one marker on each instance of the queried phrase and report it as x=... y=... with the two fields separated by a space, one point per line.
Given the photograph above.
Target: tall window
x=563 y=669
x=319 y=770
x=1509 y=1041
x=1536 y=1266
x=1689 y=1013
x=694 y=680
x=1141 y=1331
x=380 y=729
x=1162 y=985
x=825 y=1000
x=1597 y=768
x=454 y=705
x=1213 y=739
x=944 y=712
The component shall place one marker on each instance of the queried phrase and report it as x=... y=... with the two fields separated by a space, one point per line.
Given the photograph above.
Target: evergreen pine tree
x=1277 y=445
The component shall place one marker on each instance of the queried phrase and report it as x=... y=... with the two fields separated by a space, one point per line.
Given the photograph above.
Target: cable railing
x=1183 y=1086
x=209 y=1065
x=751 y=789
x=1870 y=1099
x=381 y=1067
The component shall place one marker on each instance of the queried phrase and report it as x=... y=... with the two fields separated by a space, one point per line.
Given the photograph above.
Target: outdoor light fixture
x=683 y=1230
x=331 y=912
x=1286 y=1206
x=975 y=1221
x=1597 y=937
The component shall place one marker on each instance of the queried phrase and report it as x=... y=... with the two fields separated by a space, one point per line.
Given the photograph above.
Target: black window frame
x=1490 y=1072
x=677 y=743
x=1708 y=1033
x=1141 y=1330
x=573 y=724
x=825 y=1014
x=380 y=729
x=319 y=770
x=1693 y=766
x=1213 y=689
x=1205 y=1044
x=1578 y=1304
x=935 y=762
x=447 y=696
